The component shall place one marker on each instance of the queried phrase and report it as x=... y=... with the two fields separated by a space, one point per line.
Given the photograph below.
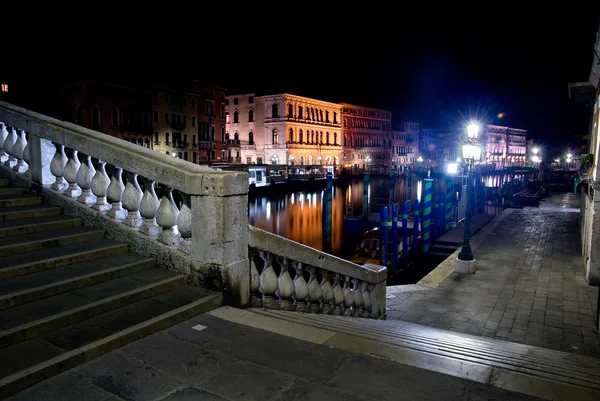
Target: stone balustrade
x=290 y=276
x=192 y=218
x=123 y=185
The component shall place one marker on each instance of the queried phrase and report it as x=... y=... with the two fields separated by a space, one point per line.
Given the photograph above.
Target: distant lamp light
x=569 y=156
x=458 y=159
x=419 y=159
x=535 y=158
x=473 y=131
x=471 y=152
x=452 y=168
x=535 y=151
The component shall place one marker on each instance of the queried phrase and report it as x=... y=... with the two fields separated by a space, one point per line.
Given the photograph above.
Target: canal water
x=297 y=215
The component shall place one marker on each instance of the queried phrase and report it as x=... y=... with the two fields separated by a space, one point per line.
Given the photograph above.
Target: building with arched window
x=247 y=147
x=367 y=138
x=119 y=111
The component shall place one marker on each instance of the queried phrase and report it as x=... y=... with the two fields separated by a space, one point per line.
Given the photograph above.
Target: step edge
x=407 y=338
x=100 y=347
x=17 y=267
x=69 y=281
x=68 y=219
x=53 y=208
x=24 y=328
x=59 y=237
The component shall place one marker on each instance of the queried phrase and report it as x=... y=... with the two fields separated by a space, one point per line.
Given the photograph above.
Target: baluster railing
x=100 y=183
x=19 y=147
x=166 y=218
x=84 y=177
x=132 y=197
x=57 y=167
x=9 y=142
x=148 y=208
x=3 y=136
x=344 y=288
x=71 y=170
x=114 y=194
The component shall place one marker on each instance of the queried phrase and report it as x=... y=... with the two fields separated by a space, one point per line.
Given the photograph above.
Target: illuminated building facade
x=367 y=137
x=504 y=146
x=301 y=131
x=244 y=129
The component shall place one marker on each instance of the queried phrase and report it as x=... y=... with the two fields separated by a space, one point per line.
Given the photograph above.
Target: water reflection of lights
x=268 y=211
x=419 y=187
x=292 y=199
x=314 y=198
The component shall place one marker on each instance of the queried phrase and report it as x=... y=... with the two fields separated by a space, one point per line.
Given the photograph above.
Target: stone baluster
x=358 y=298
x=268 y=283
x=84 y=177
x=184 y=222
x=148 y=208
x=348 y=297
x=21 y=167
x=57 y=168
x=9 y=142
x=254 y=285
x=166 y=217
x=327 y=292
x=338 y=295
x=368 y=304
x=132 y=197
x=100 y=183
x=285 y=285
x=315 y=294
x=71 y=170
x=300 y=288
x=27 y=155
x=3 y=136
x=114 y=194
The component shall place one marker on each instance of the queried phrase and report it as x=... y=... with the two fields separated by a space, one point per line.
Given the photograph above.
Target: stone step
x=32 y=262
x=24 y=212
x=11 y=191
x=527 y=369
x=33 y=287
x=32 y=361
x=19 y=200
x=3 y=182
x=27 y=226
x=48 y=239
x=34 y=319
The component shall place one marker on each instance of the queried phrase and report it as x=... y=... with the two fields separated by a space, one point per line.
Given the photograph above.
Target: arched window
x=291 y=161
x=327 y=138
x=275 y=137
x=250 y=115
x=320 y=115
x=251 y=138
x=326 y=116
x=114 y=117
x=235 y=117
x=334 y=117
x=310 y=160
x=302 y=160
x=274 y=111
x=290 y=111
x=299 y=111
x=79 y=115
x=300 y=136
x=345 y=140
x=95 y=116
x=291 y=136
x=335 y=138
x=328 y=160
x=312 y=114
x=227 y=137
x=319 y=159
x=321 y=138
x=212 y=133
x=226 y=117
x=312 y=137
x=236 y=137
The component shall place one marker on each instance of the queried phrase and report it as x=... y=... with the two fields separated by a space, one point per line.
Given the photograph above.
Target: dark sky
x=438 y=67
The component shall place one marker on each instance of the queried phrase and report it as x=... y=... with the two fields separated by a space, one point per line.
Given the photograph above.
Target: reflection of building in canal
x=303 y=219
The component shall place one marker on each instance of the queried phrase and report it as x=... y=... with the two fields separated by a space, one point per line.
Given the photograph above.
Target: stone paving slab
x=529 y=287
x=206 y=358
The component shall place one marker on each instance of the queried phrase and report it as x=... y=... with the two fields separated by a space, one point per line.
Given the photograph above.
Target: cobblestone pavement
x=529 y=287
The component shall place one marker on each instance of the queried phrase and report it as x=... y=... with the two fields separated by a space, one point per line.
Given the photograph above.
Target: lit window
x=4 y=87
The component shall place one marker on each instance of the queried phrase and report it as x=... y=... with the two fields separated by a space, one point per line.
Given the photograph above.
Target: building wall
x=244 y=120
x=115 y=110
x=367 y=136
x=504 y=146
x=301 y=131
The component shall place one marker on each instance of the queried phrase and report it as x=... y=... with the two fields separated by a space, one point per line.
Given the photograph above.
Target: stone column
x=220 y=234
x=41 y=152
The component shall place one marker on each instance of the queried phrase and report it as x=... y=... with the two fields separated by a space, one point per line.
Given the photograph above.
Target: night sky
x=439 y=70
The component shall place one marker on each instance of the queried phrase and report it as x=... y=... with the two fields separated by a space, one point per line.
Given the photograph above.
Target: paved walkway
x=207 y=358
x=529 y=288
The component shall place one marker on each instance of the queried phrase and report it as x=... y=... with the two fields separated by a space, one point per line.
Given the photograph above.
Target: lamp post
x=465 y=263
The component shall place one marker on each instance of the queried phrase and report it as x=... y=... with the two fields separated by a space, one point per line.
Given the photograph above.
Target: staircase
x=68 y=295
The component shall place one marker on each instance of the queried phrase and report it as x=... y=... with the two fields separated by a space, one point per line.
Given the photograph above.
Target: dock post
x=405 y=233
x=449 y=201
x=415 y=243
x=395 y=244
x=383 y=236
x=327 y=212
x=366 y=184
x=427 y=187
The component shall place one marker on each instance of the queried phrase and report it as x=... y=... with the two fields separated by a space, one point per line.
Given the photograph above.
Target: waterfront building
x=244 y=129
x=504 y=146
x=368 y=137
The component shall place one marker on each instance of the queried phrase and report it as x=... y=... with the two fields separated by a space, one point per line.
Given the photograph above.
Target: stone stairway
x=68 y=295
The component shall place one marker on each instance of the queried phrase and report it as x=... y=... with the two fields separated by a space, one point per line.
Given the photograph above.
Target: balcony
x=206 y=145
x=179 y=144
x=276 y=146
x=246 y=145
x=234 y=143
x=313 y=145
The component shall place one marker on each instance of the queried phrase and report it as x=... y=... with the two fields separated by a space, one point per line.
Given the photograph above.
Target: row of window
x=312 y=114
x=366 y=124
x=117 y=119
x=176 y=119
x=367 y=113
x=236 y=117
x=310 y=137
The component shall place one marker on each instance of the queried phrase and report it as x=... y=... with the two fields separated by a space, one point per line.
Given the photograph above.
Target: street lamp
x=465 y=263
x=535 y=151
